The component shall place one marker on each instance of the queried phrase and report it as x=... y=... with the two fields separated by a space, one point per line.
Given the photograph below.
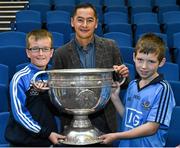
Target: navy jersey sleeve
x=18 y=100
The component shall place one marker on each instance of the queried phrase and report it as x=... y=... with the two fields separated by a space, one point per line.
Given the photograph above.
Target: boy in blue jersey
x=149 y=100
x=32 y=121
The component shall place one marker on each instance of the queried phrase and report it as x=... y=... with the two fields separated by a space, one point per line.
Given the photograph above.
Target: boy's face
x=147 y=65
x=84 y=23
x=39 y=57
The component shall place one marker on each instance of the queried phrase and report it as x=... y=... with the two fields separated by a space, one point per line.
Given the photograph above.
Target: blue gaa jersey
x=152 y=103
x=20 y=84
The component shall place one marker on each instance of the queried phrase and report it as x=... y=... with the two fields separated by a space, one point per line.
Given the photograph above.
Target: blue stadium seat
x=42 y=8
x=175 y=85
x=13 y=38
x=4 y=98
x=166 y=8
x=110 y=3
x=170 y=71
x=4 y=116
x=119 y=27
x=145 y=22
x=115 y=5
x=59 y=21
x=134 y=3
x=27 y=20
x=171 y=21
x=115 y=18
x=122 y=39
x=127 y=54
x=176 y=40
x=4 y=74
x=132 y=71
x=12 y=56
x=174 y=129
x=58 y=39
x=160 y=3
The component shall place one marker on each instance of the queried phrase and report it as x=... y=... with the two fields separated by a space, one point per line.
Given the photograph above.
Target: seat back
x=175 y=85
x=122 y=39
x=4 y=116
x=12 y=56
x=13 y=38
x=173 y=138
x=170 y=71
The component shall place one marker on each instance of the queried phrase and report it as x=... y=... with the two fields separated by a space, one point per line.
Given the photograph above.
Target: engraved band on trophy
x=80 y=92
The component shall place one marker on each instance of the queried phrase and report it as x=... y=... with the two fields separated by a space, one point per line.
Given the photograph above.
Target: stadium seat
x=132 y=71
x=115 y=5
x=27 y=20
x=175 y=85
x=42 y=6
x=122 y=39
x=58 y=39
x=134 y=3
x=12 y=56
x=174 y=129
x=160 y=3
x=119 y=27
x=115 y=17
x=59 y=21
x=176 y=40
x=170 y=71
x=4 y=98
x=166 y=8
x=64 y=5
x=4 y=74
x=145 y=22
x=171 y=21
x=13 y=38
x=127 y=54
x=4 y=116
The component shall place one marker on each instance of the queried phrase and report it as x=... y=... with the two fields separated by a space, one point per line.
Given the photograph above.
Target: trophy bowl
x=80 y=92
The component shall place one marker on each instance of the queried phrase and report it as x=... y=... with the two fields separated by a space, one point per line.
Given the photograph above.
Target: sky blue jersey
x=152 y=103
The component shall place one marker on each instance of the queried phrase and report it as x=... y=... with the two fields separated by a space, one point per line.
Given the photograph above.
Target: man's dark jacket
x=107 y=55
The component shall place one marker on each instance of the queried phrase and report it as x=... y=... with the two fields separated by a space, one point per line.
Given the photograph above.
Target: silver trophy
x=80 y=92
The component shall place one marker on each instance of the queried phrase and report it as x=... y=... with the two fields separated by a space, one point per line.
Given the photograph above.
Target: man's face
x=39 y=52
x=84 y=23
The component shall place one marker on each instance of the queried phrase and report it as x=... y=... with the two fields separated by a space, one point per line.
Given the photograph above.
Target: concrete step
x=8 y=12
x=11 y=7
x=5 y=29
x=7 y=18
x=13 y=3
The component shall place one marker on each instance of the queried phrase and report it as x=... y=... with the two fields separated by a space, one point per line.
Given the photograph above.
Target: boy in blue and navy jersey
x=32 y=121
x=149 y=100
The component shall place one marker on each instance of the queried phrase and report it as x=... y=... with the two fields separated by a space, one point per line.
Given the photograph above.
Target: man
x=87 y=50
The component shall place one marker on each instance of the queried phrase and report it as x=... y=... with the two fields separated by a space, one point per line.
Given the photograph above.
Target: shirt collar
x=154 y=81
x=77 y=44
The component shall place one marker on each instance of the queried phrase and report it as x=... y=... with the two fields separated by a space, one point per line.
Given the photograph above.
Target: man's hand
x=55 y=137
x=122 y=70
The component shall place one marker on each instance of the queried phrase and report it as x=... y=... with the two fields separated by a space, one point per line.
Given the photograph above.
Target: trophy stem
x=81 y=132
x=81 y=121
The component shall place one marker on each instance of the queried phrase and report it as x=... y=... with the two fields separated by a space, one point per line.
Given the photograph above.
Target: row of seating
x=59 y=21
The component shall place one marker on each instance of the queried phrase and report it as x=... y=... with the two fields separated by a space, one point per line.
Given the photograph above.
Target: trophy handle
x=34 y=80
x=117 y=78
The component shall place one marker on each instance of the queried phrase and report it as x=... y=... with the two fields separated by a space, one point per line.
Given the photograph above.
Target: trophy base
x=82 y=137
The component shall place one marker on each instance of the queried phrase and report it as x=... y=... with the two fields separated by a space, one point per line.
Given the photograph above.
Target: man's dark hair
x=84 y=5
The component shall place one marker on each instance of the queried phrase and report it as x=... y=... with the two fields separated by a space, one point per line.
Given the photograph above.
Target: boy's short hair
x=84 y=5
x=151 y=43
x=38 y=34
